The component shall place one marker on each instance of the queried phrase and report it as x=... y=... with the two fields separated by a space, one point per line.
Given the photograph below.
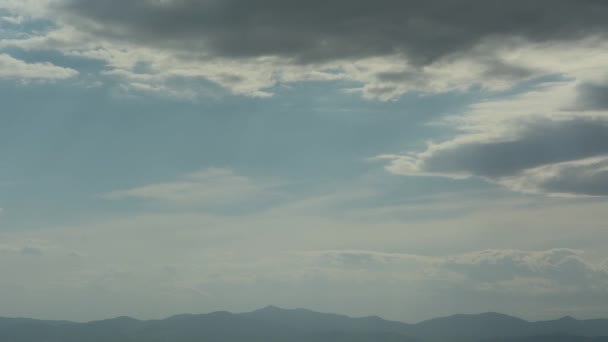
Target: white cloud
x=14 y=20
x=12 y=68
x=29 y=8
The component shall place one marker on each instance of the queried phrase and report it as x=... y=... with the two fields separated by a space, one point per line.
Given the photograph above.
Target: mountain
x=569 y=325
x=452 y=328
x=550 y=338
x=472 y=327
x=312 y=321
x=273 y=324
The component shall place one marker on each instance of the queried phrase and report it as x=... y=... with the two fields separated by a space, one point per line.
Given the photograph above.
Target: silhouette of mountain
x=569 y=325
x=550 y=338
x=472 y=327
x=282 y=325
x=311 y=321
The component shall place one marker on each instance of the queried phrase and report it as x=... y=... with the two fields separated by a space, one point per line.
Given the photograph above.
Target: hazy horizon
x=298 y=309
x=408 y=159
x=276 y=324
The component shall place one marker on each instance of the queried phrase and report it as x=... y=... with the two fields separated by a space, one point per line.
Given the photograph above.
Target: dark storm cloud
x=315 y=30
x=541 y=143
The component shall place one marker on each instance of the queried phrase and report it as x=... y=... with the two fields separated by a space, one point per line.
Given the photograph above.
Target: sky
x=402 y=158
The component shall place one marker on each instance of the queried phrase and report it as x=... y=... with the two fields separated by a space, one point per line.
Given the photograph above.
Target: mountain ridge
x=273 y=323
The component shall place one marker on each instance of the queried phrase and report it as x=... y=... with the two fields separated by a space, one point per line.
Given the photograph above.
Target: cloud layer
x=207 y=266
x=386 y=49
x=317 y=31
x=550 y=140
x=517 y=272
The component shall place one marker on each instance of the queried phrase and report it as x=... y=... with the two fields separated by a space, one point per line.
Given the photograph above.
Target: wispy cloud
x=209 y=186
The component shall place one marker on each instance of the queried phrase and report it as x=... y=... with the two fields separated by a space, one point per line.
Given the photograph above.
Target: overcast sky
x=402 y=158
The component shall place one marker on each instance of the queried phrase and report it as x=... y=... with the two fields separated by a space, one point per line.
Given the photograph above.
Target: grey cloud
x=540 y=143
x=490 y=68
x=231 y=79
x=592 y=96
x=378 y=91
x=562 y=157
x=579 y=182
x=499 y=69
x=397 y=76
x=584 y=178
x=493 y=68
x=314 y=31
x=31 y=251
x=25 y=250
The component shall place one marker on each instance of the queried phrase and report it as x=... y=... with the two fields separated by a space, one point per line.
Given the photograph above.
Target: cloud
x=26 y=247
x=425 y=46
x=241 y=261
x=29 y=8
x=31 y=251
x=592 y=96
x=563 y=265
x=524 y=272
x=12 y=68
x=362 y=259
x=385 y=49
x=580 y=177
x=548 y=156
x=12 y=20
x=210 y=186
x=316 y=31
x=538 y=142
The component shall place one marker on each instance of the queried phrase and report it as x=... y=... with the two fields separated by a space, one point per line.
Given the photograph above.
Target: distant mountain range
x=273 y=324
